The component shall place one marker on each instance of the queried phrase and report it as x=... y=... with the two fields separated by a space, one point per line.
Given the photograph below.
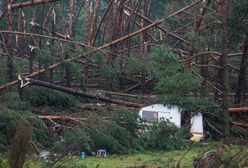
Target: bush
x=165 y=136
x=117 y=134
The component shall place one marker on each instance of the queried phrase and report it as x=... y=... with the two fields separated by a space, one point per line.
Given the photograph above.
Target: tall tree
x=224 y=65
x=72 y=34
x=9 y=47
x=241 y=85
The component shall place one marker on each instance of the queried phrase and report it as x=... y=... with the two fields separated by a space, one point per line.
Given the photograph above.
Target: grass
x=150 y=159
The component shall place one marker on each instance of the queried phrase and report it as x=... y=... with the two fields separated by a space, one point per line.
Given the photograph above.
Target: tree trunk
x=241 y=85
x=51 y=74
x=72 y=33
x=31 y=52
x=144 y=40
x=93 y=22
x=83 y=94
x=20 y=28
x=86 y=37
x=86 y=21
x=9 y=48
x=225 y=76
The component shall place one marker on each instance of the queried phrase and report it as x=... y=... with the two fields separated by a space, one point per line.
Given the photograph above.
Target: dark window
x=150 y=116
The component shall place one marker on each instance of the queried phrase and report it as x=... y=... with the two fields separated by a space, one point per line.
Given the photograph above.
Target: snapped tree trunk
x=83 y=94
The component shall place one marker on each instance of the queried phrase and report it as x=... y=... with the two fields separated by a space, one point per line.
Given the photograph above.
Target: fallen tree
x=79 y=92
x=238 y=109
x=240 y=124
x=121 y=39
x=51 y=67
x=29 y=3
x=75 y=119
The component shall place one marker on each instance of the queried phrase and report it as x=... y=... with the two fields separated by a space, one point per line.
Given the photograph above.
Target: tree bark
x=83 y=94
x=51 y=74
x=86 y=36
x=86 y=21
x=9 y=48
x=29 y=3
x=241 y=85
x=93 y=22
x=225 y=76
x=72 y=33
x=238 y=109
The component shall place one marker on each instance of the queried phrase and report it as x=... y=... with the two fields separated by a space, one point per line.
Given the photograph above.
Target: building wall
x=172 y=113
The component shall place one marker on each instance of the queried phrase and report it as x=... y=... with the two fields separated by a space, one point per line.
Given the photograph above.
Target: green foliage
x=76 y=137
x=165 y=136
x=236 y=22
x=11 y=100
x=117 y=135
x=113 y=71
x=174 y=82
x=45 y=57
x=8 y=124
x=8 y=121
x=128 y=117
x=41 y=134
x=73 y=68
x=134 y=65
x=37 y=96
x=74 y=141
x=3 y=164
x=3 y=68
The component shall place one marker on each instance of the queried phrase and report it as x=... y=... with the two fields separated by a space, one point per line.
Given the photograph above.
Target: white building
x=158 y=112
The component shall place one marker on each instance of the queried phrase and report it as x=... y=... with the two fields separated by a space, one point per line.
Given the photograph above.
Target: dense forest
x=75 y=73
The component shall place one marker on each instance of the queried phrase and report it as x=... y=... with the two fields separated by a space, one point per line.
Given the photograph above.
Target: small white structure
x=101 y=153
x=44 y=154
x=158 y=112
x=196 y=125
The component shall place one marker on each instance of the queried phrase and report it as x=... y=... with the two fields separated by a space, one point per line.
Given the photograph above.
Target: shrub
x=165 y=136
x=74 y=142
x=118 y=135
